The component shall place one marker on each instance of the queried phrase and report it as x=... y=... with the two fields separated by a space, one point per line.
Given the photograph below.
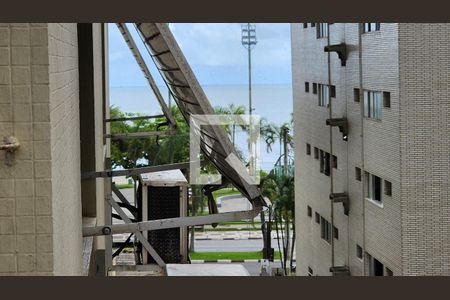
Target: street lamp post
x=248 y=40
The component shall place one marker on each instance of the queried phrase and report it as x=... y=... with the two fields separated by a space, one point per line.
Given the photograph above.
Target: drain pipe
x=331 y=148
x=363 y=186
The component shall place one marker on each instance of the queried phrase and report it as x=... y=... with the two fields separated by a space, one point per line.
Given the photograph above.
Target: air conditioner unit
x=164 y=195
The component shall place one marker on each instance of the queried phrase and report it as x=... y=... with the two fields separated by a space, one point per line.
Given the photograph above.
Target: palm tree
x=232 y=110
x=280 y=190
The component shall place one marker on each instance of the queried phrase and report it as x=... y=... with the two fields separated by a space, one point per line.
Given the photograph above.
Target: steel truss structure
x=214 y=142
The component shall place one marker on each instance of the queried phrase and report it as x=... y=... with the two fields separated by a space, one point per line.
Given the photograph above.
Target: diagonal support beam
x=137 y=55
x=171 y=223
x=123 y=199
x=138 y=234
x=136 y=171
x=132 y=135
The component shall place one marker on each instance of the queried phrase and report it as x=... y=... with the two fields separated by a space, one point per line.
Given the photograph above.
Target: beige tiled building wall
x=409 y=147
x=40 y=202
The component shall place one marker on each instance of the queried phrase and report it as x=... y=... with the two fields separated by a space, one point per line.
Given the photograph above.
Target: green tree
x=281 y=191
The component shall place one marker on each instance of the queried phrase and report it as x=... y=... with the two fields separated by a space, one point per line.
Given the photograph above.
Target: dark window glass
x=387 y=99
x=356 y=95
x=358 y=173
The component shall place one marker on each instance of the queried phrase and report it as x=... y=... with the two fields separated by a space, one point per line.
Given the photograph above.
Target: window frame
x=322 y=30
x=359 y=252
x=325 y=162
x=371 y=264
x=371 y=187
x=325 y=230
x=387 y=188
x=358 y=173
x=334 y=161
x=356 y=95
x=371 y=27
x=373 y=104
x=323 y=95
x=386 y=99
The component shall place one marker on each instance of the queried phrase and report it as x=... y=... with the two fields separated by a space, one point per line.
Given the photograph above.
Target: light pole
x=248 y=40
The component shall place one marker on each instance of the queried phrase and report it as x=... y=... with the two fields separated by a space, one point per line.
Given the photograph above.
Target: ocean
x=273 y=102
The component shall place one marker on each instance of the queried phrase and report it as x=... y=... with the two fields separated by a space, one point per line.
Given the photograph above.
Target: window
x=369 y=27
x=372 y=104
x=316 y=153
x=324 y=91
x=335 y=233
x=305 y=25
x=333 y=91
x=310 y=271
x=358 y=173
x=325 y=162
x=334 y=161
x=314 y=88
x=308 y=149
x=317 y=218
x=325 y=229
x=322 y=30
x=309 y=209
x=306 y=87
x=376 y=268
x=386 y=99
x=313 y=24
x=356 y=95
x=387 y=188
x=359 y=252
x=373 y=187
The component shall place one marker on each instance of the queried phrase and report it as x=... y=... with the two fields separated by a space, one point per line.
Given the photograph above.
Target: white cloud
x=220 y=44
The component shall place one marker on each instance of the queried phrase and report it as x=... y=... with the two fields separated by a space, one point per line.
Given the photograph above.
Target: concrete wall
x=409 y=147
x=40 y=205
x=65 y=148
x=381 y=237
x=424 y=148
x=93 y=100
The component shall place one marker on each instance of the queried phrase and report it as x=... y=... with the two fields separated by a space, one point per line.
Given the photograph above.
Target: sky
x=214 y=52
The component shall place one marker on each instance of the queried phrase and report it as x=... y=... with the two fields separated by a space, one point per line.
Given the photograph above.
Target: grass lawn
x=229 y=255
x=225 y=192
x=124 y=186
x=257 y=223
x=232 y=229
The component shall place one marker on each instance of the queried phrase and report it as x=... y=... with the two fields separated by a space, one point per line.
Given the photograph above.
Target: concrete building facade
x=392 y=92
x=41 y=203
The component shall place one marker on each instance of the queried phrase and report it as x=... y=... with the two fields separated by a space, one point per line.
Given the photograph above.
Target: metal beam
x=170 y=223
x=135 y=171
x=123 y=199
x=134 y=118
x=138 y=234
x=119 y=136
x=137 y=55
